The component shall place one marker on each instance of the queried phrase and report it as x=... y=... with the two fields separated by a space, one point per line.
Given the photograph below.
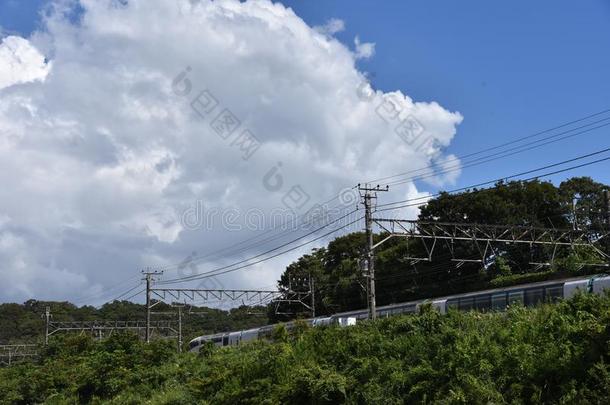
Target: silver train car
x=487 y=300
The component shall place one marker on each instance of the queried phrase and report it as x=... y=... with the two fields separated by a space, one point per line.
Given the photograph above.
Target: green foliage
x=551 y=354
x=501 y=267
x=573 y=262
x=25 y=323
x=512 y=279
x=280 y=334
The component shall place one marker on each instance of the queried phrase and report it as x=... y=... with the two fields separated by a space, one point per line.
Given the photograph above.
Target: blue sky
x=510 y=68
x=20 y=16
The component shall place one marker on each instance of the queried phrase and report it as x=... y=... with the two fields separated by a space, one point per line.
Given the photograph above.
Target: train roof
x=426 y=300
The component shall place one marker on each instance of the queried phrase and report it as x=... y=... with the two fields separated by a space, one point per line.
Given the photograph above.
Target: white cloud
x=332 y=26
x=101 y=154
x=364 y=50
x=20 y=62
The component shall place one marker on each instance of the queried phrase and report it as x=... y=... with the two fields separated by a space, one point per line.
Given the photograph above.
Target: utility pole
x=148 y=277
x=313 y=296
x=47 y=314
x=370 y=193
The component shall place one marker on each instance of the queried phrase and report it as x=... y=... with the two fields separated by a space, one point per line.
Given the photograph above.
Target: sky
x=511 y=68
x=112 y=161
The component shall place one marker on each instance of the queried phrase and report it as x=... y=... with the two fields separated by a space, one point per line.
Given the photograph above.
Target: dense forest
x=556 y=353
x=339 y=281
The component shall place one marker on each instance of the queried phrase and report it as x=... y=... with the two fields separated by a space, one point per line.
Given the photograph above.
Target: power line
x=462 y=157
x=216 y=272
x=254 y=245
x=127 y=292
x=523 y=180
x=195 y=277
x=489 y=158
x=515 y=175
x=540 y=133
x=82 y=299
x=180 y=279
x=134 y=295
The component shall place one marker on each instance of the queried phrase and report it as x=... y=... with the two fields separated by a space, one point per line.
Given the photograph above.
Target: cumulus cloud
x=148 y=107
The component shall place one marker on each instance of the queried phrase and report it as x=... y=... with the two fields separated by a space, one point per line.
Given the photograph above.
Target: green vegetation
x=551 y=354
x=21 y=323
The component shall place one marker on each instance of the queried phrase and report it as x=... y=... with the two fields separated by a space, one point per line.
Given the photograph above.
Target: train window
x=225 y=340
x=194 y=343
x=466 y=304
x=216 y=340
x=482 y=302
x=515 y=298
x=534 y=296
x=553 y=293
x=498 y=302
x=452 y=304
x=266 y=331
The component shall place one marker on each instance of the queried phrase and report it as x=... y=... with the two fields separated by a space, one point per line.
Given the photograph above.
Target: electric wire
x=485 y=159
x=514 y=176
x=134 y=295
x=462 y=157
x=228 y=269
x=127 y=292
x=271 y=250
x=103 y=292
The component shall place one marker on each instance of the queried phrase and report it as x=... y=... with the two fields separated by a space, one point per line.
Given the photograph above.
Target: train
x=487 y=300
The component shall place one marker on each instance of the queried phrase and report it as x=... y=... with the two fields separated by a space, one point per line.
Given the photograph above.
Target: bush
x=550 y=354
